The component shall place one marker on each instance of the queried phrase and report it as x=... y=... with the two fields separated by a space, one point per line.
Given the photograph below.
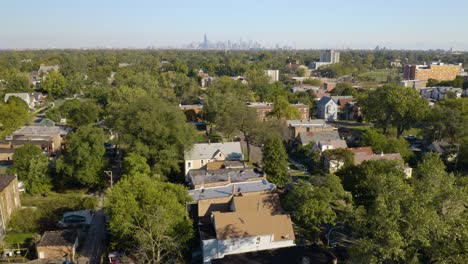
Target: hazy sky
x=411 y=24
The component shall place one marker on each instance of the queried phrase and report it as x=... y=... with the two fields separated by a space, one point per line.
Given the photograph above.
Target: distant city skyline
x=299 y=24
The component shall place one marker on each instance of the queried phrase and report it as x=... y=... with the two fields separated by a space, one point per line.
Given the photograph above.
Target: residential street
x=94 y=242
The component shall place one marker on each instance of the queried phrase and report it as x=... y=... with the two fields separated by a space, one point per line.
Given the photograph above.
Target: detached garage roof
x=58 y=238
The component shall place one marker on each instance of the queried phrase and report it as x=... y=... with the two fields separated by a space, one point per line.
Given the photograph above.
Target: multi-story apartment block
x=437 y=70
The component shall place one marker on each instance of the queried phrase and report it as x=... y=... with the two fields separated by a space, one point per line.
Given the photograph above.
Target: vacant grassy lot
x=41 y=213
x=378 y=76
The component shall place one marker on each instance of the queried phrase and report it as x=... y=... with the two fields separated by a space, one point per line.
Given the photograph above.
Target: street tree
x=283 y=109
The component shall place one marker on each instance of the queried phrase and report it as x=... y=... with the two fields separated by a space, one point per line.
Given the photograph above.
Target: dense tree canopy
x=13 y=115
x=151 y=127
x=32 y=166
x=393 y=105
x=83 y=162
x=148 y=218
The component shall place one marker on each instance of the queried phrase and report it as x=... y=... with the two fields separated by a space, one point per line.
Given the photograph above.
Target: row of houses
x=234 y=206
x=47 y=138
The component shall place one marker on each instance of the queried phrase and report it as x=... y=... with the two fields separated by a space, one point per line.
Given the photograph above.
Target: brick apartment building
x=438 y=71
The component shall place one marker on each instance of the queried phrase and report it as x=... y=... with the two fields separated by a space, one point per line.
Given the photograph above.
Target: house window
x=189 y=164
x=202 y=162
x=258 y=240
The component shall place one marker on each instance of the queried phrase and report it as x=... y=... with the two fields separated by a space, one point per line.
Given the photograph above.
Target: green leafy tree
x=149 y=219
x=135 y=164
x=78 y=112
x=314 y=208
x=283 y=109
x=344 y=88
x=313 y=82
x=152 y=128
x=275 y=161
x=83 y=162
x=393 y=105
x=32 y=168
x=372 y=138
x=54 y=83
x=13 y=115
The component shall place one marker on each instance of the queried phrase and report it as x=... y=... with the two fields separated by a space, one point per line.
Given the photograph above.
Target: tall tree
x=83 y=162
x=393 y=105
x=54 y=83
x=275 y=161
x=283 y=109
x=152 y=128
x=13 y=114
x=32 y=168
x=148 y=218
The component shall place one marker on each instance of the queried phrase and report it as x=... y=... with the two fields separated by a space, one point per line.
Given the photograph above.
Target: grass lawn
x=380 y=76
x=42 y=213
x=18 y=238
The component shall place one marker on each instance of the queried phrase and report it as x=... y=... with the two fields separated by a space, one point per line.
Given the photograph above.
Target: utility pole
x=109 y=173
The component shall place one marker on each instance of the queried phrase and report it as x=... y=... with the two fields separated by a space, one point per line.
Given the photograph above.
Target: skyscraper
x=205 y=42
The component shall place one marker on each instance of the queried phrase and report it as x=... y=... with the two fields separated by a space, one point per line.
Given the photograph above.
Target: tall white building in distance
x=331 y=56
x=273 y=74
x=327 y=57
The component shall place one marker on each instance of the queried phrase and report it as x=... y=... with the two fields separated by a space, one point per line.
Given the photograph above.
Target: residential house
x=346 y=107
x=306 y=138
x=45 y=69
x=439 y=93
x=443 y=148
x=297 y=126
x=327 y=109
x=57 y=245
x=48 y=138
x=251 y=223
x=264 y=108
x=203 y=178
x=365 y=154
x=202 y=154
x=415 y=84
x=323 y=145
x=305 y=88
x=290 y=255
x=204 y=79
x=329 y=86
x=23 y=96
x=9 y=199
x=6 y=154
x=197 y=108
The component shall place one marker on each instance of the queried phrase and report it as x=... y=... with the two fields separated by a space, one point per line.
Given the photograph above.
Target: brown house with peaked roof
x=58 y=244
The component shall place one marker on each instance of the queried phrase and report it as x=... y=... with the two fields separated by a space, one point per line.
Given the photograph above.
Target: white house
x=203 y=153
x=329 y=144
x=327 y=109
x=254 y=223
x=26 y=97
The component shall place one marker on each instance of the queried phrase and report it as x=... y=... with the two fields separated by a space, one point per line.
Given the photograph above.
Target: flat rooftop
x=202 y=176
x=230 y=189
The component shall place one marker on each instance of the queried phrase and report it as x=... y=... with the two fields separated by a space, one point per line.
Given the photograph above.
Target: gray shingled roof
x=208 y=150
x=5 y=180
x=58 y=238
x=308 y=137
